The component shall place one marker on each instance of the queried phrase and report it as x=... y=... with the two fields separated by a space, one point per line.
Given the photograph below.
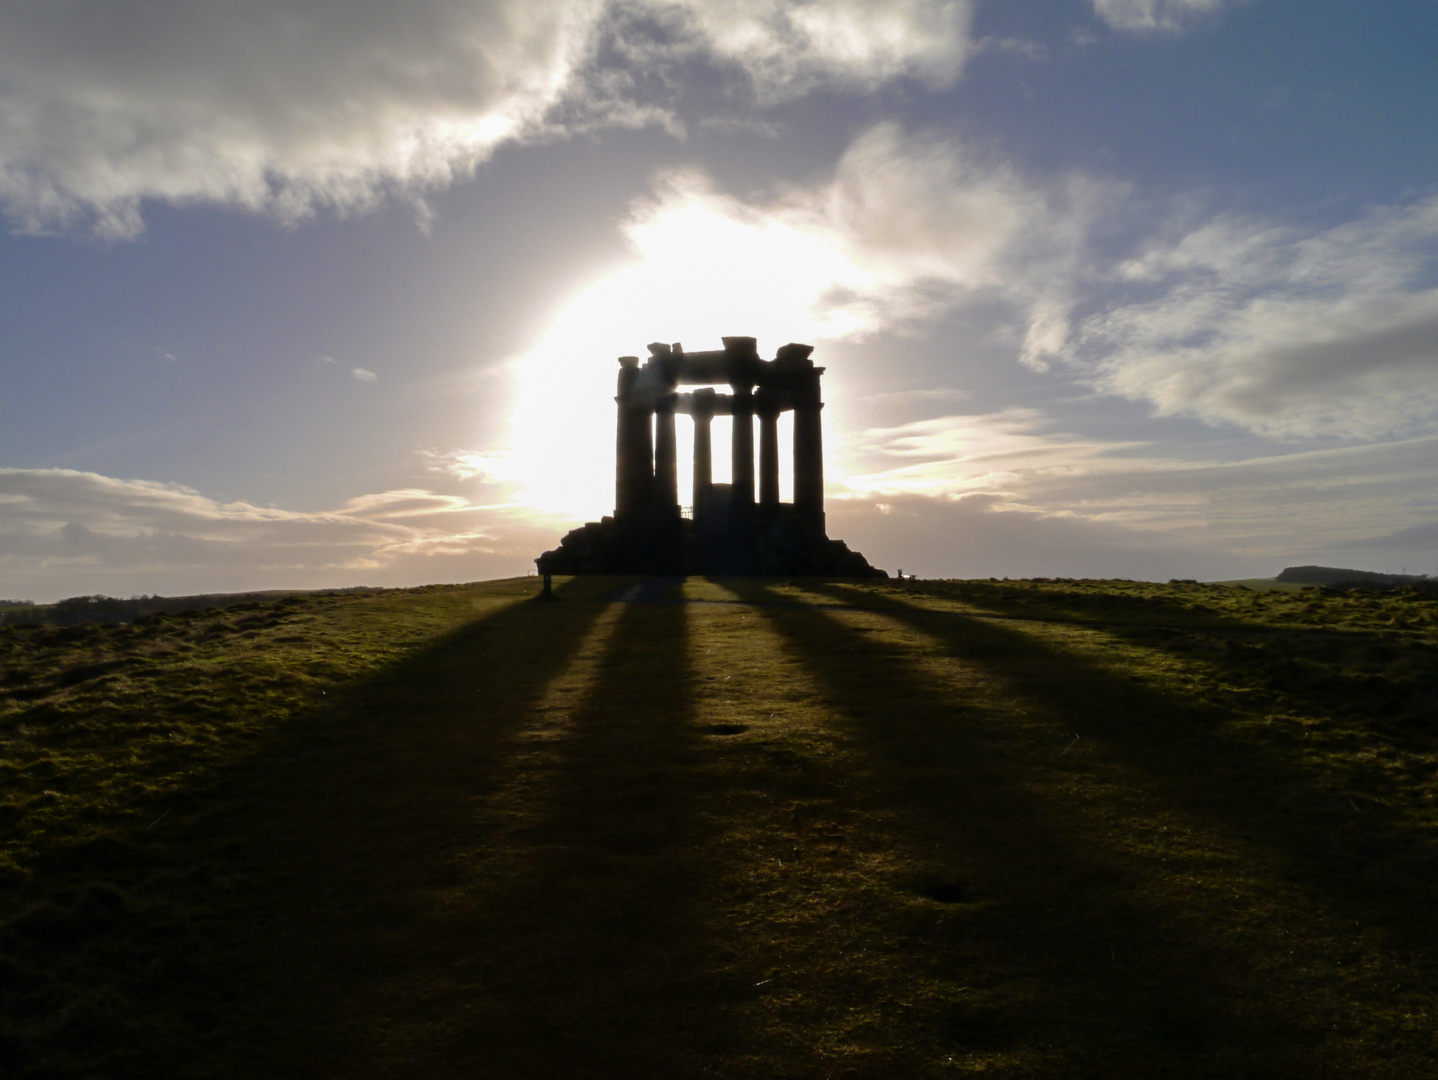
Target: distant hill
x=1336 y=578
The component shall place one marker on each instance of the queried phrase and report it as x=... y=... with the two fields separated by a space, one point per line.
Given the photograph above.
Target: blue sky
x=312 y=294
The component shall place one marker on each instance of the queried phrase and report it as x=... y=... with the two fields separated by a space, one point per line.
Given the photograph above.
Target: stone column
x=643 y=454
x=809 y=452
x=741 y=493
x=766 y=404
x=743 y=357
x=702 y=405
x=666 y=464
x=631 y=467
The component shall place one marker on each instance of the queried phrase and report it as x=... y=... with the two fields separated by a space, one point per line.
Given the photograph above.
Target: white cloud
x=1027 y=48
x=1157 y=16
x=789 y=48
x=994 y=453
x=906 y=227
x=1280 y=330
x=66 y=533
x=265 y=104
x=1309 y=505
x=283 y=108
x=978 y=536
x=364 y=375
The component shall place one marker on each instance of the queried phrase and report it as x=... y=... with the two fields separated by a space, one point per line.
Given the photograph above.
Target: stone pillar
x=741 y=494
x=666 y=463
x=766 y=404
x=743 y=358
x=643 y=454
x=809 y=452
x=632 y=464
x=702 y=405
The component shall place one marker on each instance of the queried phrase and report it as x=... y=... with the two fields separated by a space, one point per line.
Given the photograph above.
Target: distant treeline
x=1335 y=578
x=108 y=609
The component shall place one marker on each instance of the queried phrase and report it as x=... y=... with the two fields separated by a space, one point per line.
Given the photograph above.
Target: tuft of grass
x=726 y=827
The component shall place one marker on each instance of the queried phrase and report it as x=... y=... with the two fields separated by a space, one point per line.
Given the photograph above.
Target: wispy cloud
x=364 y=375
x=1343 y=499
x=1157 y=16
x=489 y=466
x=64 y=532
x=907 y=227
x=1280 y=329
x=1027 y=48
x=995 y=453
x=982 y=536
x=274 y=107
x=788 y=49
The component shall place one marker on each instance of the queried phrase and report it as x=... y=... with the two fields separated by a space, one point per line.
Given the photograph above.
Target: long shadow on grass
x=598 y=963
x=502 y=901
x=1252 y=791
x=1257 y=798
x=1385 y=680
x=335 y=829
x=1100 y=979
x=145 y=962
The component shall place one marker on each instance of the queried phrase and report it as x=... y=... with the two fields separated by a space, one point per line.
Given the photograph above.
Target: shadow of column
x=1083 y=967
x=524 y=902
x=356 y=817
x=1190 y=757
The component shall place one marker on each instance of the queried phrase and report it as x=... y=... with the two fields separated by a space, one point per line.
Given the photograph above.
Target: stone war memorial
x=726 y=529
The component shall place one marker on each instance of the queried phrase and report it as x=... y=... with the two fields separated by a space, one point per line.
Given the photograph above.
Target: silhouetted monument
x=724 y=530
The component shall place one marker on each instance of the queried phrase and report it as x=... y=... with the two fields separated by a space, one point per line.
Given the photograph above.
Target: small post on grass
x=547 y=594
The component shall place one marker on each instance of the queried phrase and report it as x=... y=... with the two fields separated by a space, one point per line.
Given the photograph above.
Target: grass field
x=726 y=828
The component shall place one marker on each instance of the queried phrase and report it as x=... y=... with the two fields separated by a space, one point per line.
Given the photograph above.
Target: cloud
x=1157 y=16
x=1006 y=494
x=492 y=466
x=1284 y=331
x=283 y=108
x=364 y=375
x=788 y=49
x=997 y=454
x=64 y=532
x=1027 y=48
x=907 y=227
x=1306 y=505
x=977 y=536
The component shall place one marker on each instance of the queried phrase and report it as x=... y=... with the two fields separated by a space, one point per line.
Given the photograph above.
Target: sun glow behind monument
x=706 y=270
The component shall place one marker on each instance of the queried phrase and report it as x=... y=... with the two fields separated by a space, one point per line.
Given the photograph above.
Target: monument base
x=775 y=543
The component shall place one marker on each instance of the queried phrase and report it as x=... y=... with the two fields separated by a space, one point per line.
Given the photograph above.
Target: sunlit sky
x=321 y=294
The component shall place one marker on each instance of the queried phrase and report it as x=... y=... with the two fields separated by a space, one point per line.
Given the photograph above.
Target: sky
x=329 y=293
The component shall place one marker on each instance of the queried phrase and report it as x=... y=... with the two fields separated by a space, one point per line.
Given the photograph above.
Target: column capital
x=768 y=403
x=703 y=403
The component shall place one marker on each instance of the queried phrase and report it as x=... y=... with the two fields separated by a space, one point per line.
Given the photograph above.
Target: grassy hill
x=729 y=828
